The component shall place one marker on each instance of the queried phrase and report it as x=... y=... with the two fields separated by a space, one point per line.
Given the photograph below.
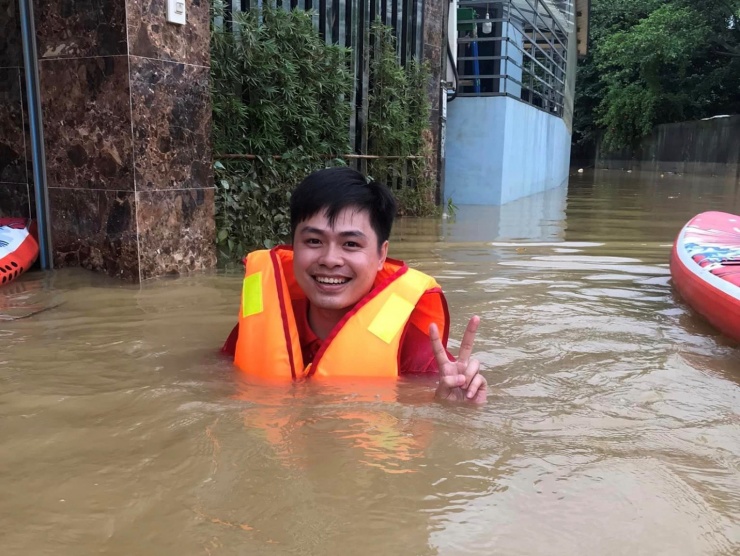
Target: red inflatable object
x=18 y=249
x=705 y=266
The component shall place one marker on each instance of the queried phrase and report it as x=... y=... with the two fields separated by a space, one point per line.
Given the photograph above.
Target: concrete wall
x=499 y=149
x=704 y=147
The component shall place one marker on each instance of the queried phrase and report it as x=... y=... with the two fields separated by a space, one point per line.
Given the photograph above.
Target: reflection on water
x=613 y=426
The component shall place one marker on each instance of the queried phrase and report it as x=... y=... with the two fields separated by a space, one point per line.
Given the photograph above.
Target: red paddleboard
x=18 y=249
x=705 y=266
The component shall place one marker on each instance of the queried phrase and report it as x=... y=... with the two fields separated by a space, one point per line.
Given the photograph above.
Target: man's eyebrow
x=346 y=233
x=352 y=233
x=312 y=230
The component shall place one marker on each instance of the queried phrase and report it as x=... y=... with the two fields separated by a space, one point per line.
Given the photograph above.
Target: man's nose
x=331 y=256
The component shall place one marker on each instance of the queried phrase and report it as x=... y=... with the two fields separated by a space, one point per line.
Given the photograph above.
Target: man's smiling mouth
x=331 y=281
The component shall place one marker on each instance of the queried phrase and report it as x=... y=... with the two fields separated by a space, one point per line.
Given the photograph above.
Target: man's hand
x=459 y=380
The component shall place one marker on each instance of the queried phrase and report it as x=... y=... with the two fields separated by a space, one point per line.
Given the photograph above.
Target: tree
x=656 y=61
x=649 y=73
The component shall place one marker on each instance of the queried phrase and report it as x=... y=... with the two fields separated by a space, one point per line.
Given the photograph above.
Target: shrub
x=398 y=126
x=281 y=94
x=277 y=89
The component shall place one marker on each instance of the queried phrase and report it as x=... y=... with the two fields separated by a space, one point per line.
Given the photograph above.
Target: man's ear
x=383 y=254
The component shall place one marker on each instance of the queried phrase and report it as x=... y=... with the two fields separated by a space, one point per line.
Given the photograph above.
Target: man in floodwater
x=334 y=305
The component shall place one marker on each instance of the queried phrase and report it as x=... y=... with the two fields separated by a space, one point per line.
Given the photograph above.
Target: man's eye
x=352 y=244
x=313 y=241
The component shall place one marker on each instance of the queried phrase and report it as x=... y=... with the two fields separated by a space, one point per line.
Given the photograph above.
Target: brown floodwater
x=613 y=424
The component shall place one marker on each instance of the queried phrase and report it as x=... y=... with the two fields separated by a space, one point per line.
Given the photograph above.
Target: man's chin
x=324 y=304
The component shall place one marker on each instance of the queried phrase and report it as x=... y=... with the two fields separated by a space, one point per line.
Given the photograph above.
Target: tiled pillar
x=171 y=117
x=435 y=53
x=16 y=178
x=127 y=115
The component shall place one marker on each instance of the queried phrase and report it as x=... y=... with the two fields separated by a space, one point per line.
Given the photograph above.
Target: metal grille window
x=516 y=48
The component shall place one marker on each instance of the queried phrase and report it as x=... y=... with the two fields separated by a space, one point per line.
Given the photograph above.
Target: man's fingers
x=452 y=381
x=471 y=371
x=477 y=389
x=466 y=347
x=439 y=350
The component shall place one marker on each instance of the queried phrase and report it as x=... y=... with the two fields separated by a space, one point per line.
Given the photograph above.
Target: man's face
x=336 y=266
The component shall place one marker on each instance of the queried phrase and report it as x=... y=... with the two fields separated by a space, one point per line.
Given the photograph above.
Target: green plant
x=281 y=94
x=277 y=89
x=451 y=209
x=398 y=126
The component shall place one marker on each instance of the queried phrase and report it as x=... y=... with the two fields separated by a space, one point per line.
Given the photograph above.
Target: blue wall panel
x=499 y=149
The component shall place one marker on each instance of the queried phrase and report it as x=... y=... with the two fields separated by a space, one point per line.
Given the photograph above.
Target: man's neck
x=323 y=321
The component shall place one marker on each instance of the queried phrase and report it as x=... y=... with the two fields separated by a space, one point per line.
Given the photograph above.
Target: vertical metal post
x=38 y=155
x=322 y=21
x=334 y=20
x=504 y=37
x=403 y=40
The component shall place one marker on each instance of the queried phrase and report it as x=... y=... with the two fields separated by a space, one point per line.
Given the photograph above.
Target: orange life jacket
x=365 y=343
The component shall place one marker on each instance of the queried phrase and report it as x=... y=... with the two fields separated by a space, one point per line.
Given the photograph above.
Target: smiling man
x=334 y=304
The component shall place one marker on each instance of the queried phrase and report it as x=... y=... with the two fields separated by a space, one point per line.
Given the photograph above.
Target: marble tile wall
x=87 y=131
x=85 y=102
x=80 y=28
x=171 y=115
x=95 y=229
x=11 y=50
x=150 y=36
x=187 y=212
x=126 y=105
x=171 y=120
x=16 y=189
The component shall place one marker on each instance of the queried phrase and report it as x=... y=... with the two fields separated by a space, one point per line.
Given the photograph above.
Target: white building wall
x=499 y=149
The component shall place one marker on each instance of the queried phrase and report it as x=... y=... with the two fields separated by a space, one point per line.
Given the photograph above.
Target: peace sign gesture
x=459 y=380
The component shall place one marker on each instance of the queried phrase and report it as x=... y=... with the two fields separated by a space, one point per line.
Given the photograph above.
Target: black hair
x=335 y=189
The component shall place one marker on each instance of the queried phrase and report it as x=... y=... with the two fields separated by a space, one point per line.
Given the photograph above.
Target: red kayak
x=705 y=266
x=18 y=248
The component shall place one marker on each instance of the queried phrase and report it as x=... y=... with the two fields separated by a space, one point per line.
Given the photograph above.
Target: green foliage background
x=277 y=89
x=656 y=61
x=398 y=123
x=280 y=93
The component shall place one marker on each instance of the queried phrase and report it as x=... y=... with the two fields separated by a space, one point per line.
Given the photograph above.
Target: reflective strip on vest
x=252 y=301
x=391 y=318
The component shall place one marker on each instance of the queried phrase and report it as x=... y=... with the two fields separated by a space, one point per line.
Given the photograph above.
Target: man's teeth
x=321 y=280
